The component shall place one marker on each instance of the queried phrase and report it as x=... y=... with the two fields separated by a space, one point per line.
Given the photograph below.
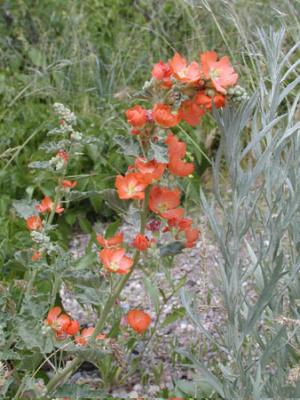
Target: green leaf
x=128 y=146
x=112 y=198
x=93 y=151
x=36 y=57
x=9 y=355
x=39 y=165
x=78 y=195
x=89 y=352
x=159 y=152
x=85 y=224
x=173 y=316
x=171 y=249
x=194 y=388
x=86 y=261
x=51 y=147
x=112 y=229
x=30 y=333
x=153 y=293
x=81 y=392
x=266 y=295
x=70 y=217
x=208 y=377
x=25 y=208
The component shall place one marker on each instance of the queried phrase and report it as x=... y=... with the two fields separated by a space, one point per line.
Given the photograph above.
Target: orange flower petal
x=162 y=199
x=138 y=320
x=164 y=117
x=137 y=116
x=130 y=186
x=53 y=314
x=114 y=241
x=34 y=223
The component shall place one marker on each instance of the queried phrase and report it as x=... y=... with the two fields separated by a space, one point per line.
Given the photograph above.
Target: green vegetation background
x=93 y=56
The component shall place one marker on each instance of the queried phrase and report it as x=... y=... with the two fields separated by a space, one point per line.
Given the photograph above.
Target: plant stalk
x=77 y=361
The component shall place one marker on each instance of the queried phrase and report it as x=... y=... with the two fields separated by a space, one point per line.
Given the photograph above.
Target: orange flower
x=163 y=116
x=73 y=328
x=130 y=186
x=176 y=398
x=191 y=112
x=177 y=151
x=203 y=99
x=112 y=242
x=191 y=235
x=220 y=72
x=184 y=72
x=180 y=168
x=184 y=226
x=184 y=223
x=47 y=205
x=64 y=155
x=36 y=256
x=57 y=320
x=141 y=242
x=138 y=320
x=137 y=116
x=163 y=201
x=175 y=147
x=68 y=184
x=162 y=72
x=150 y=170
x=61 y=323
x=34 y=223
x=114 y=260
x=174 y=213
x=85 y=334
x=180 y=224
x=135 y=131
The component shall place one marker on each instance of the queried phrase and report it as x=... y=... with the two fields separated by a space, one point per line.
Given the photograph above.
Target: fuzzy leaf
x=171 y=249
x=128 y=146
x=81 y=392
x=112 y=229
x=25 y=208
x=158 y=152
x=197 y=387
x=50 y=147
x=39 y=165
x=176 y=314
x=153 y=293
x=207 y=376
x=112 y=198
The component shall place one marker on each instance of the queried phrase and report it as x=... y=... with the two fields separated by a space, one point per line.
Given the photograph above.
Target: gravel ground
x=199 y=265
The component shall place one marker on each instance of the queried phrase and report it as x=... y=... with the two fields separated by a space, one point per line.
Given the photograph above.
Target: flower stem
x=77 y=361
x=60 y=376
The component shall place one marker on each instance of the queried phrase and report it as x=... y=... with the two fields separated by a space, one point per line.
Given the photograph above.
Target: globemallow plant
x=147 y=196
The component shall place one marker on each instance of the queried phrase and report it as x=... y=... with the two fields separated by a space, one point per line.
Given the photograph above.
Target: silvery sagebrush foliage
x=256 y=226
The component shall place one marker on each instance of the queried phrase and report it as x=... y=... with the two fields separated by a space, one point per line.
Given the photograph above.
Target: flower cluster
x=40 y=224
x=64 y=327
x=61 y=323
x=187 y=92
x=179 y=91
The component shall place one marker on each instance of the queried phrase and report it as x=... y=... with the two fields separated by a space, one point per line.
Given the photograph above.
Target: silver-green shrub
x=256 y=225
